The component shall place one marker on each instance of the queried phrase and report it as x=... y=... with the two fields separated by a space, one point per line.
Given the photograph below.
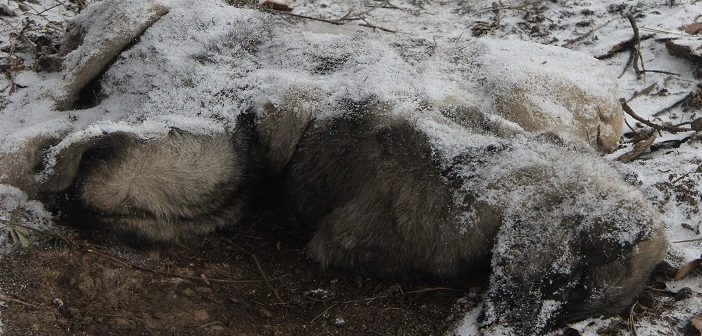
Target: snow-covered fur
x=567 y=238
x=170 y=188
x=399 y=168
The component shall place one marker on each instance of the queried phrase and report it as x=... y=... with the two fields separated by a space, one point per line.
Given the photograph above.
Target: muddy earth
x=253 y=281
x=256 y=281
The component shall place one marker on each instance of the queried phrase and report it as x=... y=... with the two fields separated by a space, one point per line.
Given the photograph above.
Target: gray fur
x=168 y=188
x=566 y=237
x=383 y=203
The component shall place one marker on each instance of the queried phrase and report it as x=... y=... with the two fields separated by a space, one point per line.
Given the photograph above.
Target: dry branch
x=637 y=47
x=666 y=128
x=18 y=301
x=622 y=47
x=583 y=36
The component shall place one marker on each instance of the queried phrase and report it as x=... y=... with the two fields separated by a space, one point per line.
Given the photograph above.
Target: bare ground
x=216 y=288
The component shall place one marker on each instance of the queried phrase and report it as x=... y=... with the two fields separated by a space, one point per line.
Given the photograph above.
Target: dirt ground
x=213 y=285
x=256 y=281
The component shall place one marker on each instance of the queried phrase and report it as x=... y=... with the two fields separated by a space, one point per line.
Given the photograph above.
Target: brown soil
x=91 y=290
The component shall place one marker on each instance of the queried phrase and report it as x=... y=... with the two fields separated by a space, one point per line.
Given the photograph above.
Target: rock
x=338 y=321
x=201 y=315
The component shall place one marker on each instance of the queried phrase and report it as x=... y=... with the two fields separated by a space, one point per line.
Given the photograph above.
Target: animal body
x=565 y=236
x=436 y=189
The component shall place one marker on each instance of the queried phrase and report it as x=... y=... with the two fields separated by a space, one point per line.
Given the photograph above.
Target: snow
x=19 y=211
x=204 y=63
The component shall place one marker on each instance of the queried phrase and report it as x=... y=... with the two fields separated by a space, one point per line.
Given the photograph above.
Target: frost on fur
x=399 y=168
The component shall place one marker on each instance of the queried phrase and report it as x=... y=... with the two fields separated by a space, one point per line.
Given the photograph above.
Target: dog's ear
x=62 y=161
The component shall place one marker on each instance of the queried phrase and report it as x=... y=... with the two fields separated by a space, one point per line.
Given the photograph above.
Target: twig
x=260 y=269
x=621 y=47
x=337 y=22
x=20 y=34
x=661 y=71
x=632 y=319
x=46 y=10
x=432 y=289
x=628 y=63
x=358 y=16
x=366 y=24
x=323 y=312
x=681 y=177
x=667 y=128
x=367 y=299
x=581 y=37
x=637 y=47
x=424 y=290
x=300 y=16
x=643 y=91
x=265 y=278
x=674 y=105
x=24 y=303
x=513 y=7
x=688 y=241
x=183 y=276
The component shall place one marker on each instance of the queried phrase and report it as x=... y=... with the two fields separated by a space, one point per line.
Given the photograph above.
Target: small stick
x=265 y=278
x=24 y=303
x=513 y=7
x=661 y=71
x=621 y=47
x=260 y=269
x=322 y=313
x=628 y=63
x=367 y=299
x=300 y=16
x=418 y=291
x=687 y=241
x=674 y=105
x=637 y=47
x=670 y=129
x=183 y=276
x=569 y=42
x=368 y=25
x=643 y=91
x=432 y=289
x=632 y=319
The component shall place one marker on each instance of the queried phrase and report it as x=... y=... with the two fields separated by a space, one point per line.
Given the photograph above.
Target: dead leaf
x=697 y=124
x=693 y=29
x=276 y=5
x=687 y=268
x=681 y=49
x=638 y=149
x=697 y=322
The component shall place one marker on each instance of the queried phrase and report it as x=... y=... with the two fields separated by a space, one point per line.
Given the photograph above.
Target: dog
x=566 y=238
x=436 y=190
